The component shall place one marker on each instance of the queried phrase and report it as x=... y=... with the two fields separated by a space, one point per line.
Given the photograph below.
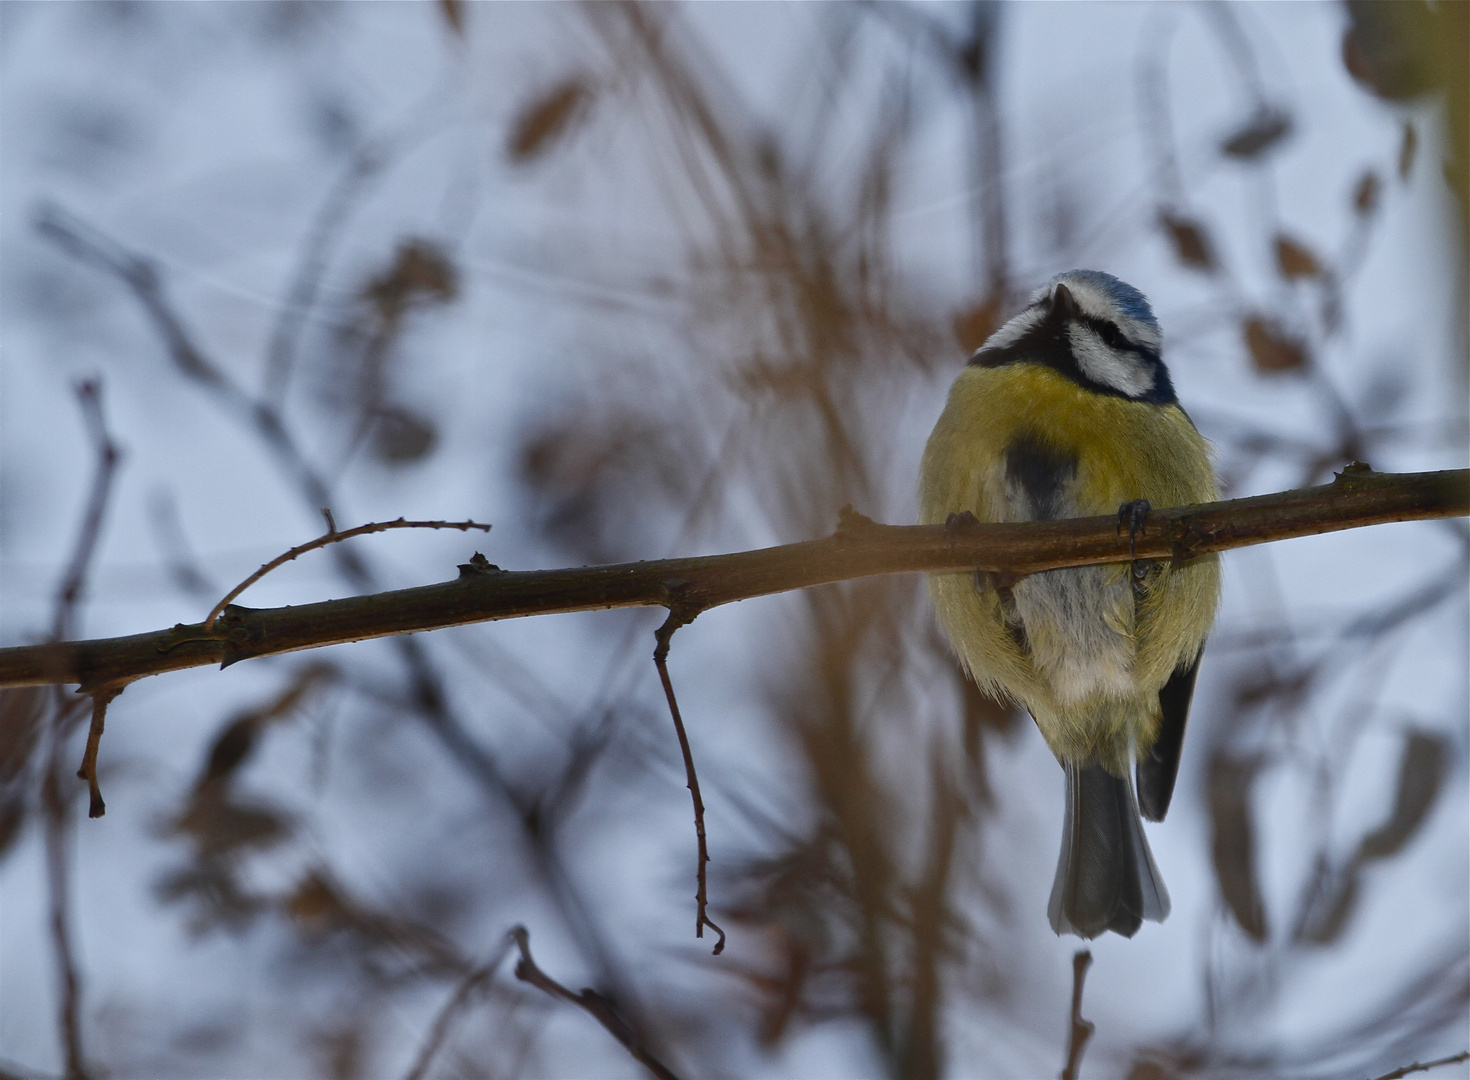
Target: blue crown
x=1130 y=301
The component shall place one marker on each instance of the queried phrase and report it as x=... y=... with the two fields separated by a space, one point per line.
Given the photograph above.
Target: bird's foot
x=1133 y=514
x=965 y=519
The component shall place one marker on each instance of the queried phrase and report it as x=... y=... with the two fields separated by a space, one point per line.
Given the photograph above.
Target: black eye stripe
x=1048 y=343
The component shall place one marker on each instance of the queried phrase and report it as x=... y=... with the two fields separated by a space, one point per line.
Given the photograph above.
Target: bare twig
x=457 y=1001
x=101 y=698
x=593 y=1003
x=677 y=618
x=1397 y=1074
x=89 y=396
x=1081 y=1029
x=332 y=536
x=487 y=593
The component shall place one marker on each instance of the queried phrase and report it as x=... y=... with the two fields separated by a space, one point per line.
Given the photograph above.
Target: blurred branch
x=471 y=983
x=1398 y=1074
x=592 y=1002
x=89 y=397
x=56 y=800
x=1081 y=1030
x=859 y=548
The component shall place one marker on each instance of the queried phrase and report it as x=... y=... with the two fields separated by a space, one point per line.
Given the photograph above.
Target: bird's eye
x=1111 y=336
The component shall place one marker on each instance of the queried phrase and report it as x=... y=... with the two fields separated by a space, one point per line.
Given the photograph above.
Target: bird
x=1067 y=410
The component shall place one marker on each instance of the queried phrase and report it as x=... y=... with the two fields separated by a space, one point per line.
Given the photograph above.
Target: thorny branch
x=1081 y=1030
x=593 y=1003
x=677 y=618
x=332 y=536
x=860 y=548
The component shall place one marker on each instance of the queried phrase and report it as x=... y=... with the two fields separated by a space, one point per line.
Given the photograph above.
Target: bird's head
x=1094 y=329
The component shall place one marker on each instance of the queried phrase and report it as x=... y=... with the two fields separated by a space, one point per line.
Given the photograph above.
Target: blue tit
x=1068 y=411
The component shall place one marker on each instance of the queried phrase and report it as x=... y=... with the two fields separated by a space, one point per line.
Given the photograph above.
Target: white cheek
x=1121 y=371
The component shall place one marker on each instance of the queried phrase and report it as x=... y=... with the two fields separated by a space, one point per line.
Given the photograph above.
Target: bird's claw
x=1133 y=514
x=965 y=519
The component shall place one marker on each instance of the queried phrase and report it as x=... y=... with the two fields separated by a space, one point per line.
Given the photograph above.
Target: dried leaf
x=1293 y=260
x=1234 y=843
x=1272 y=350
x=1365 y=194
x=1191 y=242
x=421 y=274
x=548 y=118
x=1421 y=777
x=1260 y=133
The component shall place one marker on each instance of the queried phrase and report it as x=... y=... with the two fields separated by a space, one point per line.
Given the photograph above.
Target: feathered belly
x=1078 y=630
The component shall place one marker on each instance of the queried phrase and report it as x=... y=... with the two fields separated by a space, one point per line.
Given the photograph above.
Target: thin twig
x=593 y=1003
x=57 y=835
x=1081 y=1029
x=677 y=618
x=101 y=698
x=332 y=536
x=461 y=996
x=68 y=594
x=1397 y=1074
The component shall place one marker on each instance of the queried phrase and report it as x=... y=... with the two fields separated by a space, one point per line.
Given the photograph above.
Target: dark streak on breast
x=1041 y=472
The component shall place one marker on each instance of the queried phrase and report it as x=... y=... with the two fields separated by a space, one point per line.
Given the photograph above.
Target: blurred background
x=640 y=280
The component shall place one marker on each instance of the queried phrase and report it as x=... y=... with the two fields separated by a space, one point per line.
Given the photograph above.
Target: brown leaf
x=1234 y=841
x=421 y=274
x=1258 y=134
x=1421 y=776
x=1365 y=194
x=1191 y=242
x=548 y=118
x=1272 y=350
x=1293 y=260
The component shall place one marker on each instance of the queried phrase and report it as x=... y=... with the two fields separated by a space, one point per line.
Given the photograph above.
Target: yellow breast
x=1124 y=449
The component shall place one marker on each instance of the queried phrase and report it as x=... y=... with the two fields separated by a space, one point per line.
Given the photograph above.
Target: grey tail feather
x=1106 y=877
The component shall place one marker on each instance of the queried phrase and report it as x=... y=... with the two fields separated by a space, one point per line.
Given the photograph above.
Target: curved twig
x=678 y=617
x=331 y=536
